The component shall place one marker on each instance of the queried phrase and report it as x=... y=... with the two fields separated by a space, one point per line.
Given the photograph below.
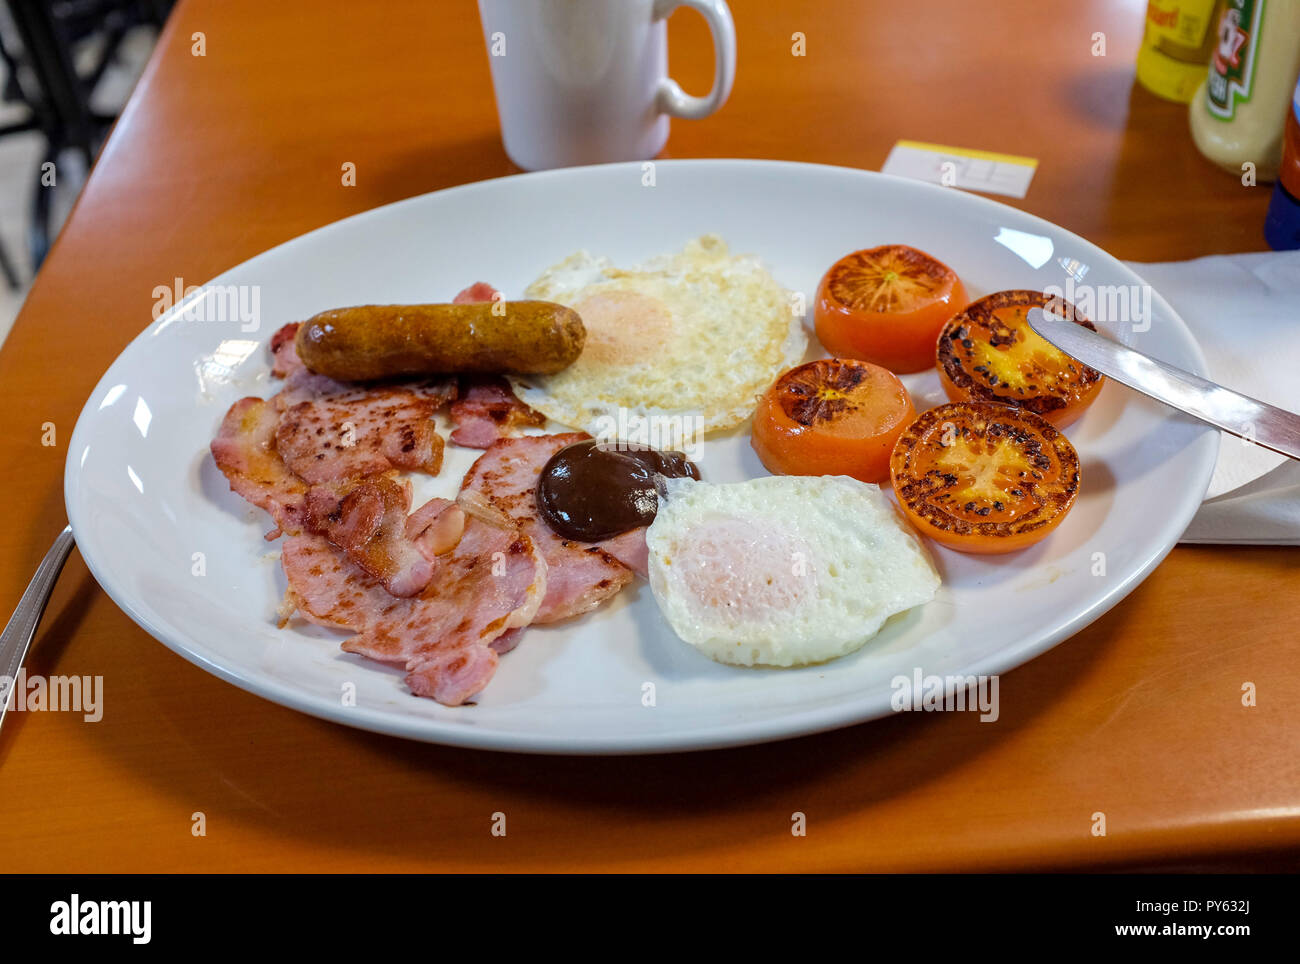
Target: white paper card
x=1006 y=174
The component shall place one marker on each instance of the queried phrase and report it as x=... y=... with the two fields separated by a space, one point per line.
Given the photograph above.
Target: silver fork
x=20 y=629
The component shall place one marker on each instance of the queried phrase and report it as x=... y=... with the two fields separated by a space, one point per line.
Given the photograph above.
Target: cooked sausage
x=379 y=341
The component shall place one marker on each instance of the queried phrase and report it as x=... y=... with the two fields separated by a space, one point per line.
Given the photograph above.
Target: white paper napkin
x=1244 y=309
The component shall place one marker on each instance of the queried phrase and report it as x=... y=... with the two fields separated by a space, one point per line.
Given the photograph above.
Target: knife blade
x=1240 y=415
x=20 y=629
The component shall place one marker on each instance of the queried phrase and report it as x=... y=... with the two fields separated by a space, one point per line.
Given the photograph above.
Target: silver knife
x=18 y=633
x=1240 y=415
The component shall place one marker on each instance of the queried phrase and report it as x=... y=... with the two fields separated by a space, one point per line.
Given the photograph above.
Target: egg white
x=693 y=337
x=783 y=570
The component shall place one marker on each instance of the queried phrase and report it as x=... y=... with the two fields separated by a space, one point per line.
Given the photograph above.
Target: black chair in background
x=42 y=74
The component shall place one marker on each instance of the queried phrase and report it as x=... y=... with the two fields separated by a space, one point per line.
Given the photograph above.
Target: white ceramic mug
x=586 y=81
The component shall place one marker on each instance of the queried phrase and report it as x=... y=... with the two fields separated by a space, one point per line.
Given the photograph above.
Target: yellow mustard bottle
x=1176 y=46
x=1238 y=114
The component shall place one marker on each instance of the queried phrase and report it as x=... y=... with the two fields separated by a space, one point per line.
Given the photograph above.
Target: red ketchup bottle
x=1282 y=225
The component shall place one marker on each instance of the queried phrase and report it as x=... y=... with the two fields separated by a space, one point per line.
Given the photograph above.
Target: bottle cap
x=1282 y=224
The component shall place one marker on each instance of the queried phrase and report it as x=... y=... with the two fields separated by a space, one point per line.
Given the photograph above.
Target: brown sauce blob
x=593 y=489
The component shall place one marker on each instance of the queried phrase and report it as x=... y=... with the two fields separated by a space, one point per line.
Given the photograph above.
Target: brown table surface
x=219 y=157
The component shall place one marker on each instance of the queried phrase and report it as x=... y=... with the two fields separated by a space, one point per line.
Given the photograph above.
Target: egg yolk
x=740 y=571
x=623 y=327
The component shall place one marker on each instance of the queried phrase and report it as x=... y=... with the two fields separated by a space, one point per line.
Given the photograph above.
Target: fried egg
x=783 y=570
x=692 y=338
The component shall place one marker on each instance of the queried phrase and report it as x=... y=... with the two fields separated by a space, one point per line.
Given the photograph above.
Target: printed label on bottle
x=1176 y=26
x=1232 y=68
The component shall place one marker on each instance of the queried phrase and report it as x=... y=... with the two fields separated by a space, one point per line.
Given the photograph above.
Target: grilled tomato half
x=837 y=416
x=886 y=305
x=987 y=352
x=984 y=477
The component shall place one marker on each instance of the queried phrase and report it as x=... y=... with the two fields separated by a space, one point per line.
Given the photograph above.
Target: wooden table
x=221 y=156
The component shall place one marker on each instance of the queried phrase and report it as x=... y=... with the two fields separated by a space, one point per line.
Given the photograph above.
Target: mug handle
x=671 y=99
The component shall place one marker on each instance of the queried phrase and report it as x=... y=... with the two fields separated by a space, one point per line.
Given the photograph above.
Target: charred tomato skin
x=886 y=305
x=1053 y=384
x=835 y=416
x=984 y=477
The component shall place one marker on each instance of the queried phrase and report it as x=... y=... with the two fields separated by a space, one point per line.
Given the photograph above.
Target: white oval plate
x=145 y=499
